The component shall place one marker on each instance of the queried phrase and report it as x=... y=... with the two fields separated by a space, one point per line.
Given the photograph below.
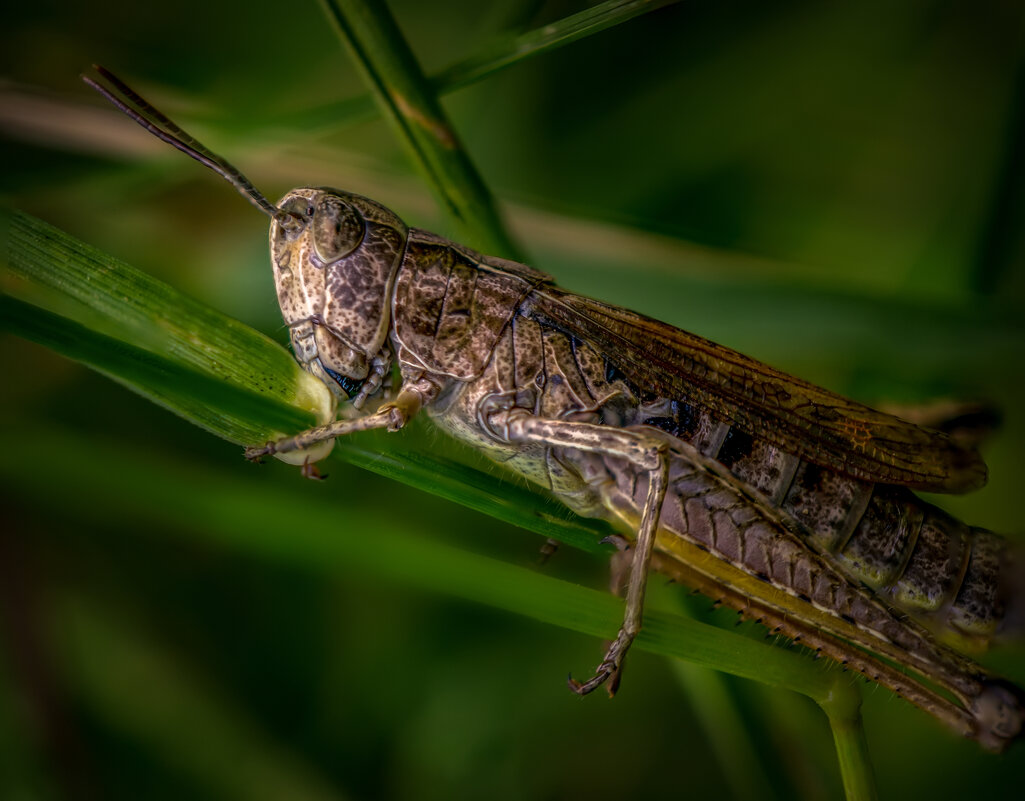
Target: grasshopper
x=783 y=500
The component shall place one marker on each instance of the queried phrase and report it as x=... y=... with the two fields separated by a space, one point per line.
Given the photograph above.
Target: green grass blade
x=844 y=713
x=409 y=102
x=716 y=711
x=230 y=412
x=504 y=52
x=135 y=307
x=269 y=522
x=511 y=50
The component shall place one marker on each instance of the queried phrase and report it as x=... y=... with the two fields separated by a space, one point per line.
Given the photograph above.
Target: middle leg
x=646 y=452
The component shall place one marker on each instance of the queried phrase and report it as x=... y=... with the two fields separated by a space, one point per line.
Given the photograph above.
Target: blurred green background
x=835 y=188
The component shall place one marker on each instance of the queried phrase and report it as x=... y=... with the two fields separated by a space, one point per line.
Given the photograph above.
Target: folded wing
x=813 y=423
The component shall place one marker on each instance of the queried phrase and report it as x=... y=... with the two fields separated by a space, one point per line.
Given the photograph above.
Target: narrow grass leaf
x=852 y=753
x=504 y=52
x=409 y=102
x=223 y=409
x=271 y=522
x=510 y=50
x=146 y=312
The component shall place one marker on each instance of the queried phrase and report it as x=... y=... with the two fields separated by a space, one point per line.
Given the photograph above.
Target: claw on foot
x=606 y=673
x=548 y=550
x=610 y=670
x=309 y=470
x=397 y=417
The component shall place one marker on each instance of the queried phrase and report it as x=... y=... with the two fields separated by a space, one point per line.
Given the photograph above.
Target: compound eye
x=337 y=229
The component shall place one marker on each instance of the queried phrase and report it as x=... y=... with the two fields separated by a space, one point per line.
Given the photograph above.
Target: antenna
x=139 y=109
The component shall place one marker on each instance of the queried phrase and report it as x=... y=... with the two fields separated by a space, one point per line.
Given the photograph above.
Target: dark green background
x=835 y=188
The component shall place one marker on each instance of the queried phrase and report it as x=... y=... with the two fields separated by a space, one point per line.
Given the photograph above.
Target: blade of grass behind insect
x=503 y=52
x=510 y=50
x=717 y=712
x=405 y=96
x=717 y=708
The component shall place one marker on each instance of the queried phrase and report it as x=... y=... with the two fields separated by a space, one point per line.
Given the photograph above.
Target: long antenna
x=139 y=109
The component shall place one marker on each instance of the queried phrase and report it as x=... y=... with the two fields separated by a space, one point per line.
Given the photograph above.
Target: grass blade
x=252 y=518
x=856 y=770
x=230 y=412
x=408 y=101
x=504 y=52
x=130 y=305
x=512 y=50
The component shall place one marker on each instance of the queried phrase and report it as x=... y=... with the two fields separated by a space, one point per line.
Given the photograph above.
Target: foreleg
x=392 y=416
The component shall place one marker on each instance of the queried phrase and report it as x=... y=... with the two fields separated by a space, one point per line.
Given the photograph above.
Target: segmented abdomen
x=912 y=553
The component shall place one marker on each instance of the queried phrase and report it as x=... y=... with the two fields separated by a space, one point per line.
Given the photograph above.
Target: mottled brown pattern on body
x=935 y=565
x=591 y=367
x=300 y=288
x=765 y=467
x=709 y=433
x=882 y=543
x=825 y=503
x=453 y=331
x=503 y=364
x=422 y=294
x=528 y=354
x=977 y=610
x=356 y=306
x=565 y=392
x=312 y=287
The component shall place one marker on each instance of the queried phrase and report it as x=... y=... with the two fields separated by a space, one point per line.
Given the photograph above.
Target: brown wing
x=817 y=425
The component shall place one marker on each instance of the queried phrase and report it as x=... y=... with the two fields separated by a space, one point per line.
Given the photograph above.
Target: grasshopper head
x=335 y=256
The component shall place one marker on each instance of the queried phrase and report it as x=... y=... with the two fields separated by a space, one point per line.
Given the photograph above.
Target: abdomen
x=913 y=554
